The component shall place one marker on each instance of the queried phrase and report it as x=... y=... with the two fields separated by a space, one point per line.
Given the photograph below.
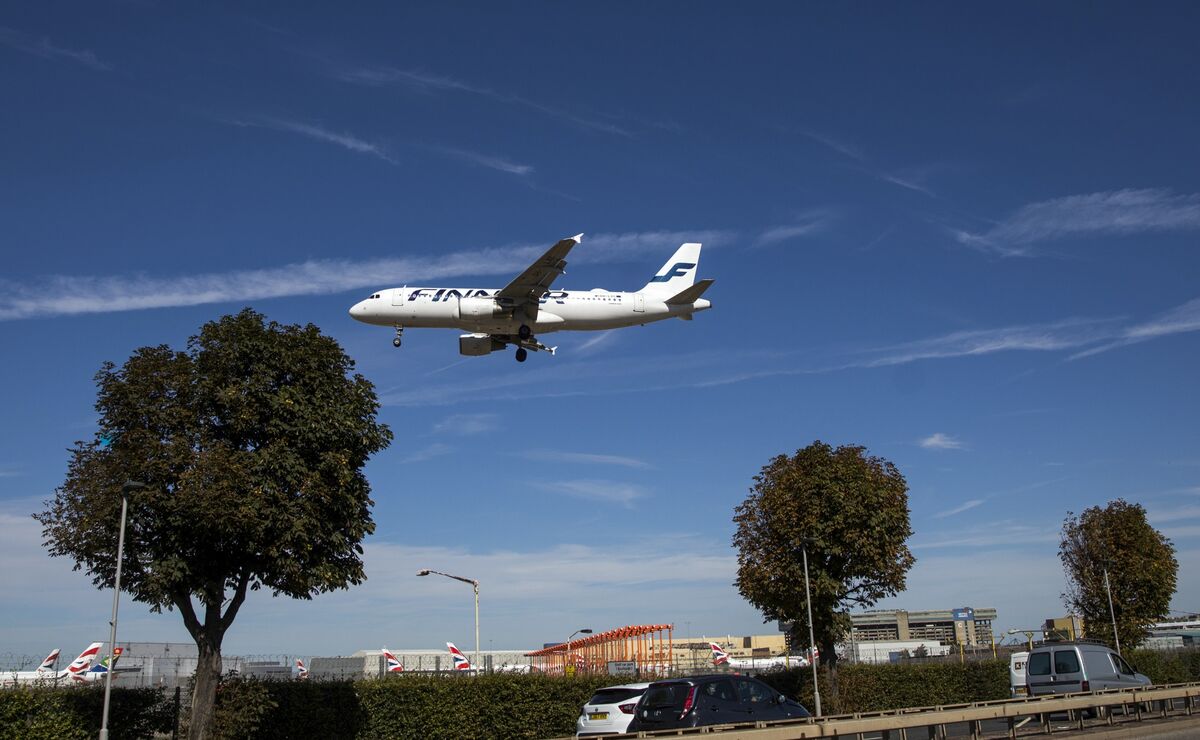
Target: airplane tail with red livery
x=719 y=656
x=393 y=663
x=51 y=659
x=79 y=666
x=302 y=671
x=460 y=661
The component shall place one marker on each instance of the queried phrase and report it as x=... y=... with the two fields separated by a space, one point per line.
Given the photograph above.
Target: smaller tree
x=1141 y=568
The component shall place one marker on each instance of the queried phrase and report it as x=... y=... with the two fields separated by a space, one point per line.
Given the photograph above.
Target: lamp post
x=130 y=485
x=812 y=643
x=567 y=655
x=475 y=585
x=1112 y=612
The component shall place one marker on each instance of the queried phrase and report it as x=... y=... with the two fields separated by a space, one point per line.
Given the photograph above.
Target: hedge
x=75 y=712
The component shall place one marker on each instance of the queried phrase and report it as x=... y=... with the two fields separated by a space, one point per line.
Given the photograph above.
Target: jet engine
x=478 y=344
x=480 y=308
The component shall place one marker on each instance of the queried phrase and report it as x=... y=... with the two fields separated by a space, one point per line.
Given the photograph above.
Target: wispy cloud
x=437 y=449
x=807 y=223
x=1057 y=336
x=997 y=534
x=587 y=458
x=427 y=82
x=604 y=491
x=1106 y=213
x=837 y=145
x=939 y=441
x=907 y=182
x=74 y=295
x=317 y=133
x=1181 y=319
x=603 y=337
x=485 y=160
x=467 y=424
x=964 y=506
x=42 y=46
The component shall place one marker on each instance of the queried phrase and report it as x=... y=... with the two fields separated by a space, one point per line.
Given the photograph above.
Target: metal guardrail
x=1158 y=701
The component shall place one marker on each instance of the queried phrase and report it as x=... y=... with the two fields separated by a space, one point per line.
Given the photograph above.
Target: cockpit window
x=374 y=296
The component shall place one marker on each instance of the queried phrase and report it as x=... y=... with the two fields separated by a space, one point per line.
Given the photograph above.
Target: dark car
x=711 y=700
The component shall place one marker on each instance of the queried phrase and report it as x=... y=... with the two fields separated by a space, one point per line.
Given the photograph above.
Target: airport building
x=965 y=626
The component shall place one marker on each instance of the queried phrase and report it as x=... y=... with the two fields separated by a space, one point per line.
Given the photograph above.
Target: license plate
x=597 y=716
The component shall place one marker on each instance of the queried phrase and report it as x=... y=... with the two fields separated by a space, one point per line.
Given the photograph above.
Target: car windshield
x=614 y=696
x=666 y=695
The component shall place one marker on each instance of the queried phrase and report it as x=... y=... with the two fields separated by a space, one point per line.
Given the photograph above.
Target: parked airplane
x=526 y=307
x=98 y=671
x=460 y=661
x=393 y=663
x=301 y=671
x=76 y=670
x=43 y=673
x=720 y=657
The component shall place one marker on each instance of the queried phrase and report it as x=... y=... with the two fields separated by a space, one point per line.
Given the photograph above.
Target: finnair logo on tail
x=720 y=657
x=393 y=663
x=679 y=269
x=460 y=661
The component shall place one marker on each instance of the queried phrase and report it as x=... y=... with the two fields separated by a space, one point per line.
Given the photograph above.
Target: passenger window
x=1066 y=661
x=1039 y=664
x=722 y=690
x=1122 y=666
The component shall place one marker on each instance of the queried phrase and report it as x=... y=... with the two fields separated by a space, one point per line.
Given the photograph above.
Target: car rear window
x=666 y=695
x=614 y=696
x=1039 y=664
x=1066 y=661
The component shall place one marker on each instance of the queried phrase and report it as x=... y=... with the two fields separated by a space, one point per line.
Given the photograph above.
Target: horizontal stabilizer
x=689 y=295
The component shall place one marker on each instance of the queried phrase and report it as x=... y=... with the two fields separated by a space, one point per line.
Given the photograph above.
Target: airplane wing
x=527 y=288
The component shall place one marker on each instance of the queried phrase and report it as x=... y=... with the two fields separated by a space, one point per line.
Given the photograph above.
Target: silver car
x=1067 y=667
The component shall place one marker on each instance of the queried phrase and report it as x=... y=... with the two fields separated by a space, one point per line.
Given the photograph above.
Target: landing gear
x=524 y=332
x=399 y=332
x=521 y=354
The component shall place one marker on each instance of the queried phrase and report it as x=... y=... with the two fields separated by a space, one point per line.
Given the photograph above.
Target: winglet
x=690 y=294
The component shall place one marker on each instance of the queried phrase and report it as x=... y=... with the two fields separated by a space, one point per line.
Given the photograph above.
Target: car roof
x=625 y=686
x=702 y=677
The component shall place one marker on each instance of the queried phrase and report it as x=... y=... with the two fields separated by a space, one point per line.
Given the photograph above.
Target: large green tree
x=251 y=445
x=1141 y=569
x=855 y=509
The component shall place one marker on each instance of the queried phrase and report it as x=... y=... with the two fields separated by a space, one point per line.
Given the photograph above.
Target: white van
x=1016 y=674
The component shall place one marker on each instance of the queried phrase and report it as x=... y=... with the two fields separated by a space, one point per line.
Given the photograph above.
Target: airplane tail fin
x=460 y=661
x=302 y=671
x=393 y=663
x=80 y=665
x=51 y=659
x=678 y=273
x=720 y=657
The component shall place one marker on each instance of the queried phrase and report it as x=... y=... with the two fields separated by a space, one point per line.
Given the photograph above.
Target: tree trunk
x=204 y=696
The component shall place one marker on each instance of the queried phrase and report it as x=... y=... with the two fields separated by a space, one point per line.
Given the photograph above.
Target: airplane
x=526 y=307
x=98 y=671
x=460 y=661
x=43 y=673
x=76 y=670
x=720 y=657
x=302 y=672
x=393 y=663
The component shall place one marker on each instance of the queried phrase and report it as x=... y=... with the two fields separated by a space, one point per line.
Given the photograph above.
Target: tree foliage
x=856 y=508
x=1141 y=568
x=251 y=445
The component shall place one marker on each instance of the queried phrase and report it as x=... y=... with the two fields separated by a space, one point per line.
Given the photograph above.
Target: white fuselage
x=475 y=310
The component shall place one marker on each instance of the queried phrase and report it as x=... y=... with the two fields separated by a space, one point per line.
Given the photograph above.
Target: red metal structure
x=648 y=646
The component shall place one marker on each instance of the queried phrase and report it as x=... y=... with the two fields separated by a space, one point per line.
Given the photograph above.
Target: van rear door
x=1068 y=673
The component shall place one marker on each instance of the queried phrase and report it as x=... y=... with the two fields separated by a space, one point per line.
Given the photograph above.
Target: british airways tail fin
x=677 y=274
x=80 y=665
x=460 y=661
x=393 y=663
x=720 y=657
x=301 y=670
x=48 y=663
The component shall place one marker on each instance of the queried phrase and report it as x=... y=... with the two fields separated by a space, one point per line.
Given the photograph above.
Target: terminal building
x=971 y=627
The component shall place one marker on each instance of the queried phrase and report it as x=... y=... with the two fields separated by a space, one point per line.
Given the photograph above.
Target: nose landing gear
x=399 y=332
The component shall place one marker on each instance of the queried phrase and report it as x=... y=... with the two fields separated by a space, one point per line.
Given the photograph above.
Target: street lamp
x=812 y=643
x=129 y=485
x=474 y=584
x=1112 y=612
x=567 y=655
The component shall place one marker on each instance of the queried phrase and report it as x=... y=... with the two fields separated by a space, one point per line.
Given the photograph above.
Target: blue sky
x=964 y=237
